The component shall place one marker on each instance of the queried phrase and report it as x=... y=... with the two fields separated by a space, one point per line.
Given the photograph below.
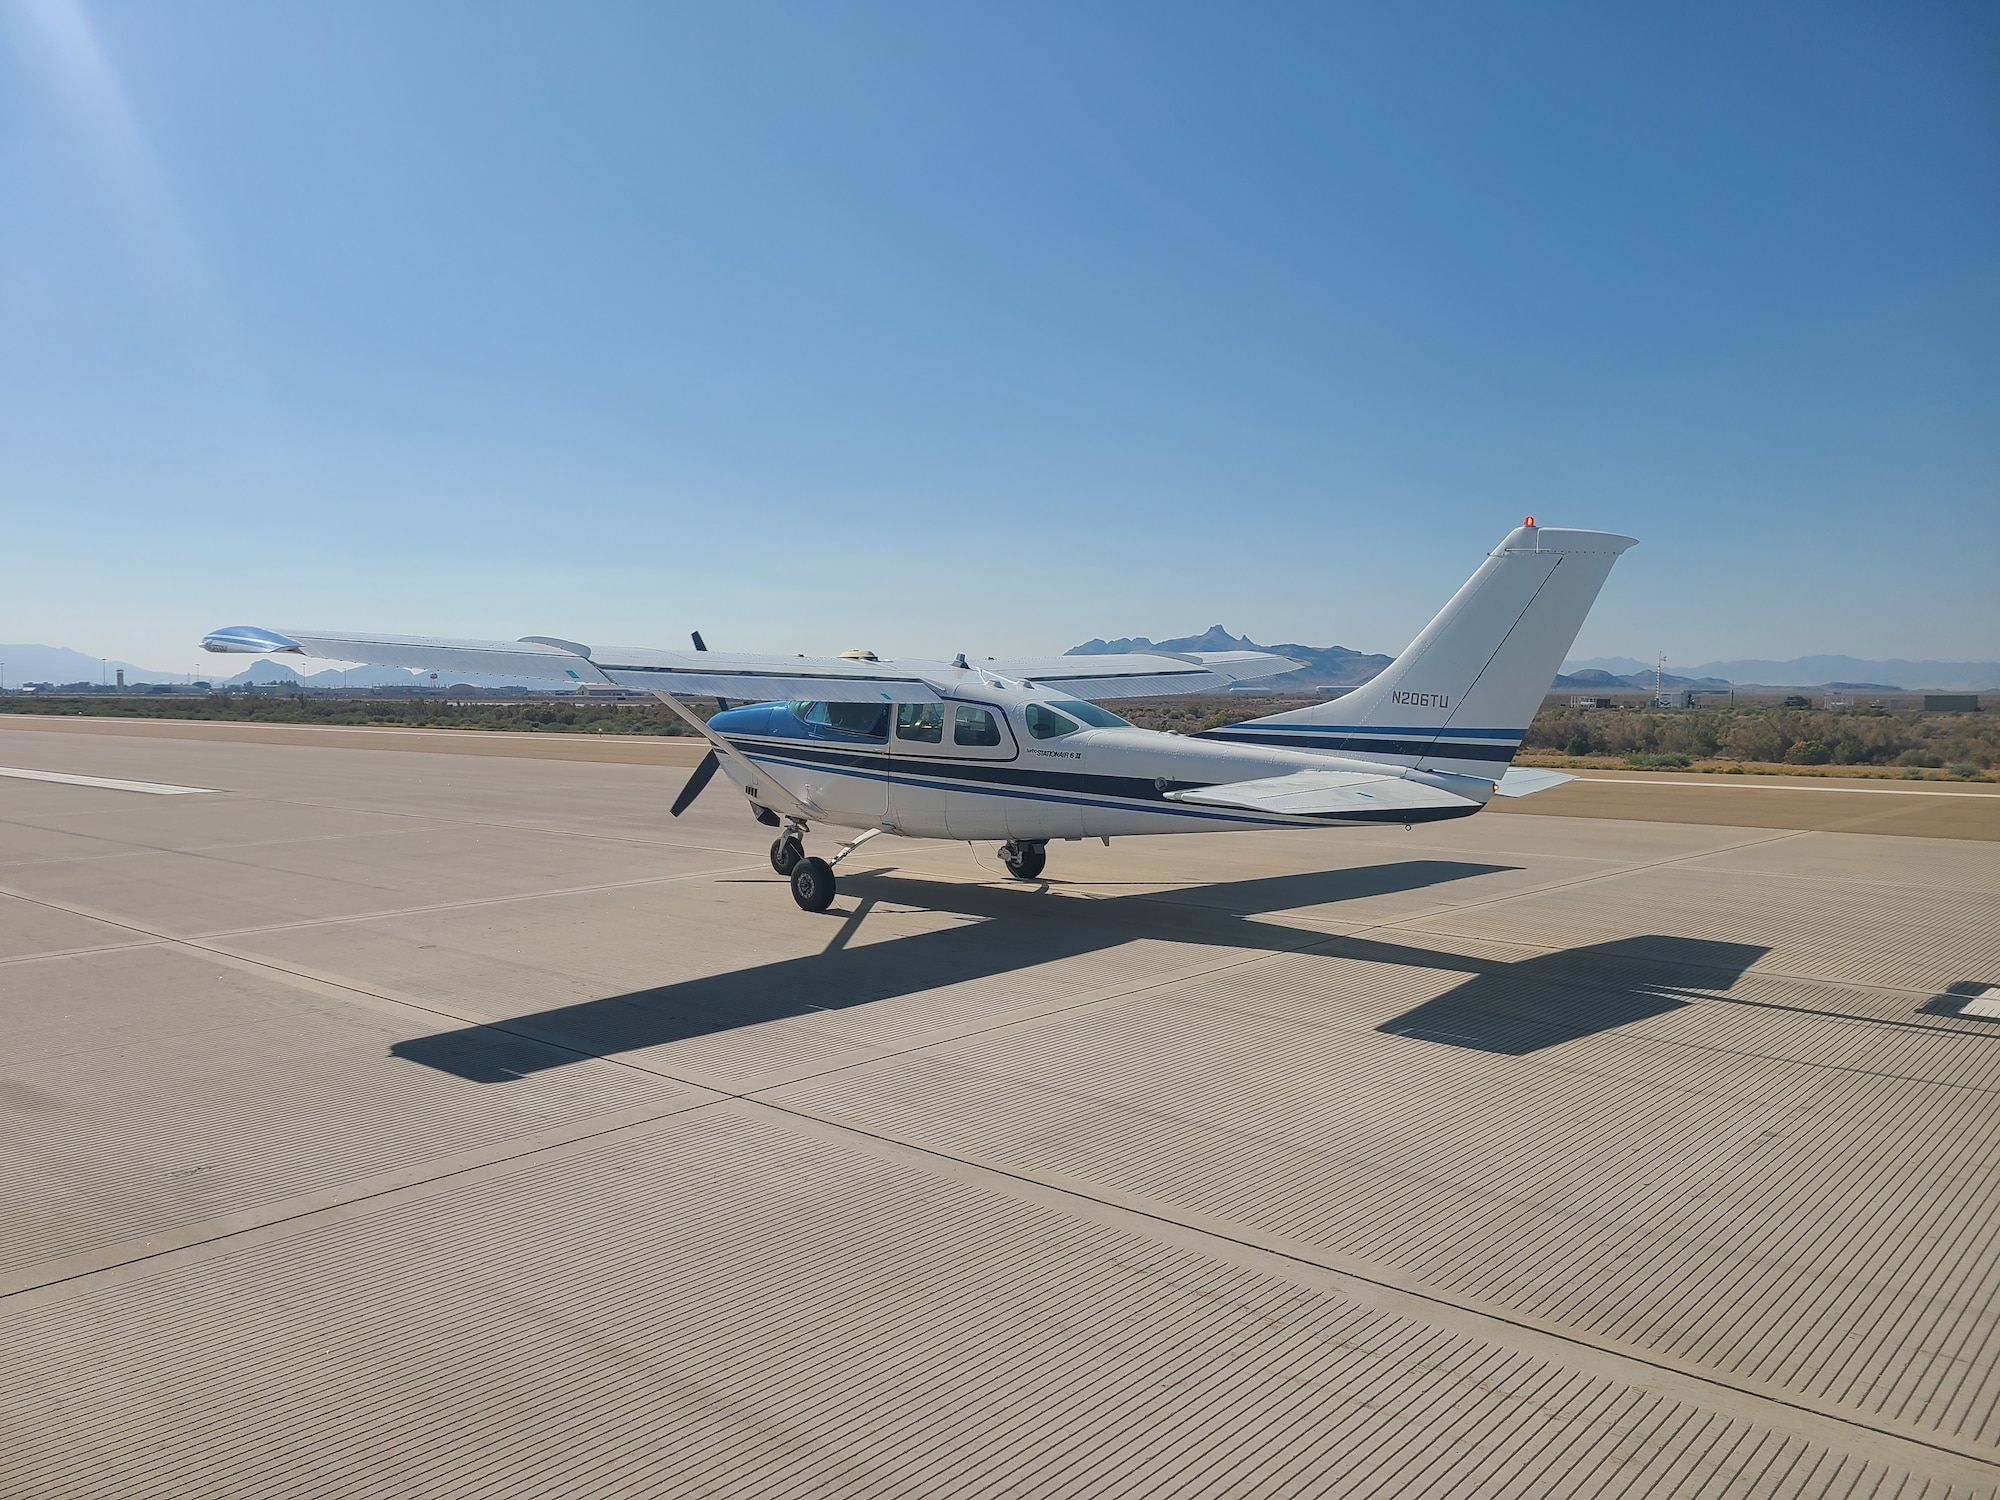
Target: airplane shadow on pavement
x=1505 y=1006
x=1553 y=998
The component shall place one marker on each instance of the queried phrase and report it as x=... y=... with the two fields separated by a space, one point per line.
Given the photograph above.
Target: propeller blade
x=702 y=645
x=695 y=783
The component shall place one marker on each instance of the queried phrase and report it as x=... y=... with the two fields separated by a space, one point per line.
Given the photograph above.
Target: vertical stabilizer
x=1460 y=697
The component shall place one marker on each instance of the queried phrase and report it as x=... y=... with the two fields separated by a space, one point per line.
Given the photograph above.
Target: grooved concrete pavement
x=439 y=1124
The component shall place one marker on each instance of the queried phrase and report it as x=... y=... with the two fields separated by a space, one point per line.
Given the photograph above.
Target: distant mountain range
x=1326 y=666
x=59 y=665
x=1338 y=666
x=1811 y=671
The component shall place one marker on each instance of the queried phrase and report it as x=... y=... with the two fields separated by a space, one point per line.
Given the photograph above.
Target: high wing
x=1363 y=796
x=548 y=659
x=750 y=677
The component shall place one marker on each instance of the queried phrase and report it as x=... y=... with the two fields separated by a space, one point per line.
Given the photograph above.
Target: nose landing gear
x=1024 y=861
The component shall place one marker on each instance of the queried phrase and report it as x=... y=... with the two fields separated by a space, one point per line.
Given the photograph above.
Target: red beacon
x=1529 y=522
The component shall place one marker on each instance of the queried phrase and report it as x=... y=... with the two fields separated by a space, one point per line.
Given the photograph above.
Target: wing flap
x=1357 y=795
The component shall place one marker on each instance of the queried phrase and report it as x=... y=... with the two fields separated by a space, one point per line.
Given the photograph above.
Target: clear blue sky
x=942 y=327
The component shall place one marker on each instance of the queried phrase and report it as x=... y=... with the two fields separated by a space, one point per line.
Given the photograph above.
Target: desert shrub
x=1861 y=737
x=1667 y=762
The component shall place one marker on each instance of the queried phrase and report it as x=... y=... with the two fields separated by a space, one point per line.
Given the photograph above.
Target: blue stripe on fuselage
x=1025 y=790
x=1454 y=744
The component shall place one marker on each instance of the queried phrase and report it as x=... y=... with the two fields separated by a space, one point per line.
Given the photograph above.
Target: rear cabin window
x=974 y=726
x=868 y=721
x=922 y=722
x=1047 y=724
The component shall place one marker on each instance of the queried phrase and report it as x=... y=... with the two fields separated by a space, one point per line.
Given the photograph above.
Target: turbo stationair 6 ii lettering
x=1019 y=749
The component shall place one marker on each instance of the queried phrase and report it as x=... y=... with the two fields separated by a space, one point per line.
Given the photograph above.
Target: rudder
x=1461 y=695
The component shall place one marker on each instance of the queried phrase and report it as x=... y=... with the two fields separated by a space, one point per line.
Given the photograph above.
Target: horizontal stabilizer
x=1525 y=781
x=1354 y=796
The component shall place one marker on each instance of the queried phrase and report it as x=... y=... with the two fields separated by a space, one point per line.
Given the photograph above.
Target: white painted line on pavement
x=154 y=788
x=1780 y=786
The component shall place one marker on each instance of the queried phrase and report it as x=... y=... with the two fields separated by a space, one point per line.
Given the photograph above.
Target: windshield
x=1044 y=723
x=1091 y=714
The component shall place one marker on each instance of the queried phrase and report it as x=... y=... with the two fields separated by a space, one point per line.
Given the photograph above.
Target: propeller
x=702 y=645
x=704 y=771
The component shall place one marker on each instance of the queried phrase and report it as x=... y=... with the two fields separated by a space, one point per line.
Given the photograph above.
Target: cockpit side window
x=869 y=721
x=1045 y=723
x=974 y=726
x=921 y=722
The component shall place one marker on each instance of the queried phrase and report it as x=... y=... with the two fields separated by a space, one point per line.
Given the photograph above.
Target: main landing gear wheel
x=812 y=884
x=1024 y=861
x=786 y=854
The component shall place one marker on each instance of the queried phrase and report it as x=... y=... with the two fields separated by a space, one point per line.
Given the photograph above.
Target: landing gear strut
x=1024 y=861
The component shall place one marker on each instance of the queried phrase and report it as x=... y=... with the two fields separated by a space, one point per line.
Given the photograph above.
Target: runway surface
x=457 y=1123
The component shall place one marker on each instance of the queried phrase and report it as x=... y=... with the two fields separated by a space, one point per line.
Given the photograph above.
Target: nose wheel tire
x=1024 y=861
x=786 y=854
x=812 y=884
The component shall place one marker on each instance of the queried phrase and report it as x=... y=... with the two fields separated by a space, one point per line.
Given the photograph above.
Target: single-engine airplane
x=1018 y=749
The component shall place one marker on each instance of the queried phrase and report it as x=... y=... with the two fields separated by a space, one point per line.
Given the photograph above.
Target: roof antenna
x=699 y=643
x=960 y=662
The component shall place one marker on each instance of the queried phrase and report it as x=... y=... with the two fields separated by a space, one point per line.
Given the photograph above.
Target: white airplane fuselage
x=1004 y=781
